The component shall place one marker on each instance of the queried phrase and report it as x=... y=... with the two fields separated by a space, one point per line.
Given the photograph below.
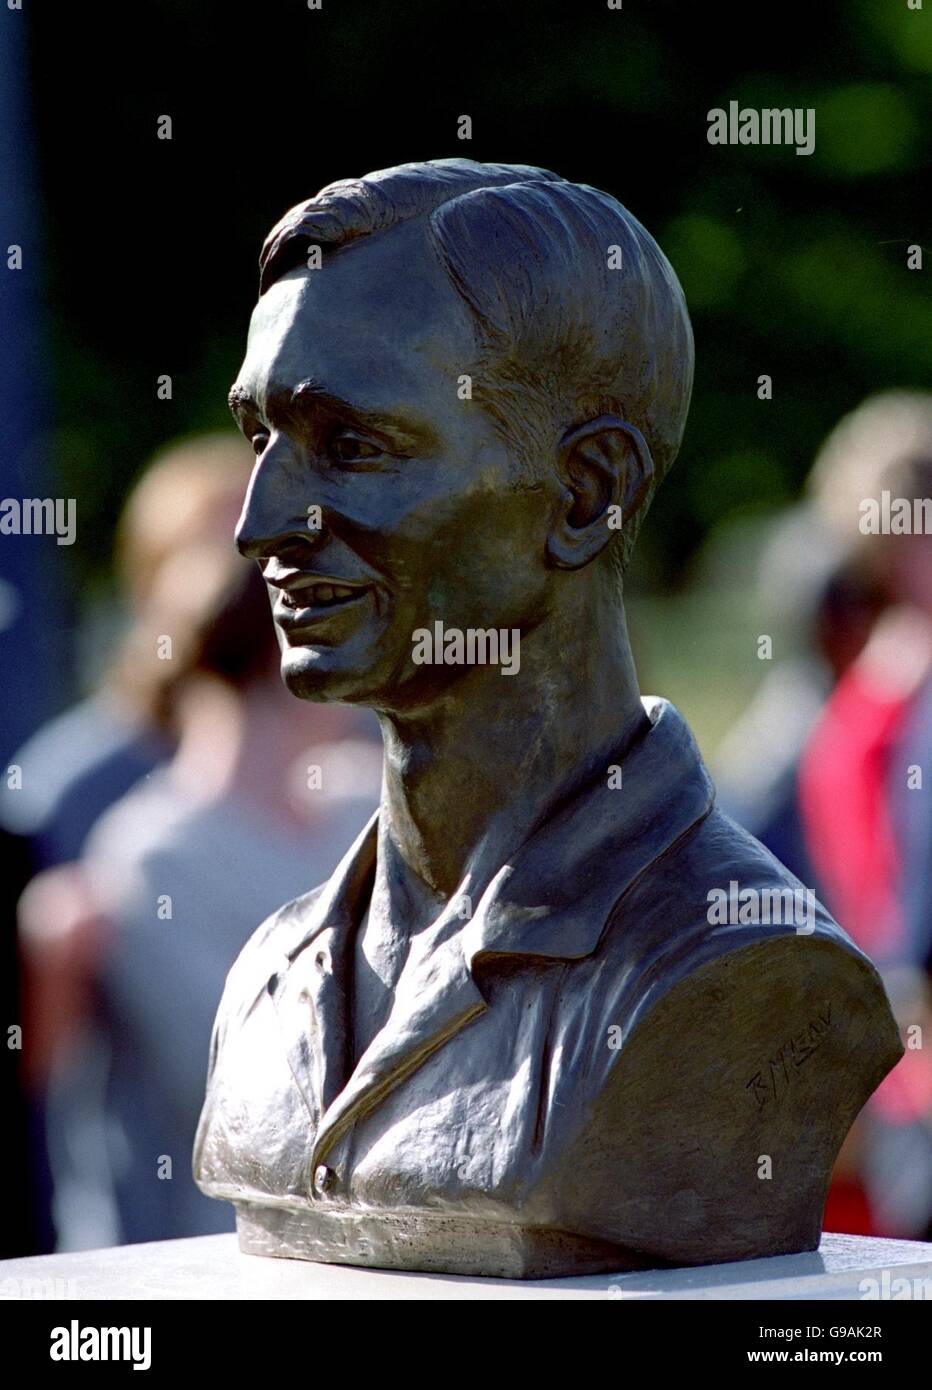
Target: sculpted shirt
x=585 y=1074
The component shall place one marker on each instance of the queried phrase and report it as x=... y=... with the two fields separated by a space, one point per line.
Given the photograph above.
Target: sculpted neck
x=466 y=780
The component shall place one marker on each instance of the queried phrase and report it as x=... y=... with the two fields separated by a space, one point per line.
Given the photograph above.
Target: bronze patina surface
x=515 y=1034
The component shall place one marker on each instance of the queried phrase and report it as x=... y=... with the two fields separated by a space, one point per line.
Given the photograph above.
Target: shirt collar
x=557 y=894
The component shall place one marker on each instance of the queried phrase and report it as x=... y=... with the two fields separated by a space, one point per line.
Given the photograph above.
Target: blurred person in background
x=79 y=763
x=808 y=582
x=126 y=950
x=827 y=767
x=82 y=761
x=867 y=821
x=864 y=778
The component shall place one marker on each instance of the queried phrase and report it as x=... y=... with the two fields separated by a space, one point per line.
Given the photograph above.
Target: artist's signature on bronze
x=773 y=1079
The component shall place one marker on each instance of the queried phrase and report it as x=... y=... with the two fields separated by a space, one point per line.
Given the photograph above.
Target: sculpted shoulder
x=719 y=917
x=711 y=1092
x=267 y=948
x=718 y=890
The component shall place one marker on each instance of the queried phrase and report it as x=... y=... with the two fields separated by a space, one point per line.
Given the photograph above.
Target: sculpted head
x=463 y=384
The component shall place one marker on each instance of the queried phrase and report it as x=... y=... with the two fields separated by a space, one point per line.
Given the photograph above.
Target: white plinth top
x=212 y=1267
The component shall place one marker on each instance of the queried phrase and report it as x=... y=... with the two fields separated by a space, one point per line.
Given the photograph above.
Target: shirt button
x=324 y=1178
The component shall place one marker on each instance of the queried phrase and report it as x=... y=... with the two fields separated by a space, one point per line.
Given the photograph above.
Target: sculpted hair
x=561 y=335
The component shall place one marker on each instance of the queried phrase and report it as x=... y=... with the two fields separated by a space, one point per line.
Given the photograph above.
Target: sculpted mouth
x=319 y=596
x=305 y=603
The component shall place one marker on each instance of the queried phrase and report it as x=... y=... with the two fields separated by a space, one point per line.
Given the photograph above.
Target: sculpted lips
x=303 y=599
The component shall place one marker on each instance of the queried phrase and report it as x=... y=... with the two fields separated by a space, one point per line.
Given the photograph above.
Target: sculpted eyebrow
x=310 y=398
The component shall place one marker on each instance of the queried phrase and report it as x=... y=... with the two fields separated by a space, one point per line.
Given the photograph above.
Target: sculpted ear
x=606 y=470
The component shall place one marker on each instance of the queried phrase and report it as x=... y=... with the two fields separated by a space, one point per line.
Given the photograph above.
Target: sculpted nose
x=271 y=517
x=252 y=539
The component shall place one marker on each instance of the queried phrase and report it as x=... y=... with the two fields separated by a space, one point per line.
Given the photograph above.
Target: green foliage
x=794 y=266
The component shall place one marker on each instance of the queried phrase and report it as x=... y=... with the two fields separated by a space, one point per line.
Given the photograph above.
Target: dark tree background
x=794 y=266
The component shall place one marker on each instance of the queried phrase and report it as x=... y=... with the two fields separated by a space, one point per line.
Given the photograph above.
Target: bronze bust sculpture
x=516 y=1033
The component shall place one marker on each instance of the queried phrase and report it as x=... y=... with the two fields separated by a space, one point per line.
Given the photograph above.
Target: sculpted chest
x=449 y=1108
x=581 y=1076
x=508 y=1118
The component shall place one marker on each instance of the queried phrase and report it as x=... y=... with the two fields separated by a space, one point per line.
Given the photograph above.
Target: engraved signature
x=773 y=1079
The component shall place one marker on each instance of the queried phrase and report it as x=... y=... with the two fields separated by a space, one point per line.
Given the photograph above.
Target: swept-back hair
x=578 y=313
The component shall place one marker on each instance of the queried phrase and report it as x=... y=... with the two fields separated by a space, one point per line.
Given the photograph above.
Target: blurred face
x=380 y=501
x=908 y=562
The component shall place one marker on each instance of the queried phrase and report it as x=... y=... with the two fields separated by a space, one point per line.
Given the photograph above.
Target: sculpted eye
x=346 y=447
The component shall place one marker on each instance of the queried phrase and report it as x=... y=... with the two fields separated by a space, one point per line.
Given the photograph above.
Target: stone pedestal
x=212 y=1267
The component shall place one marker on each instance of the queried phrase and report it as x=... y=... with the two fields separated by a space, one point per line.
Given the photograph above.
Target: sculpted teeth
x=318 y=593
